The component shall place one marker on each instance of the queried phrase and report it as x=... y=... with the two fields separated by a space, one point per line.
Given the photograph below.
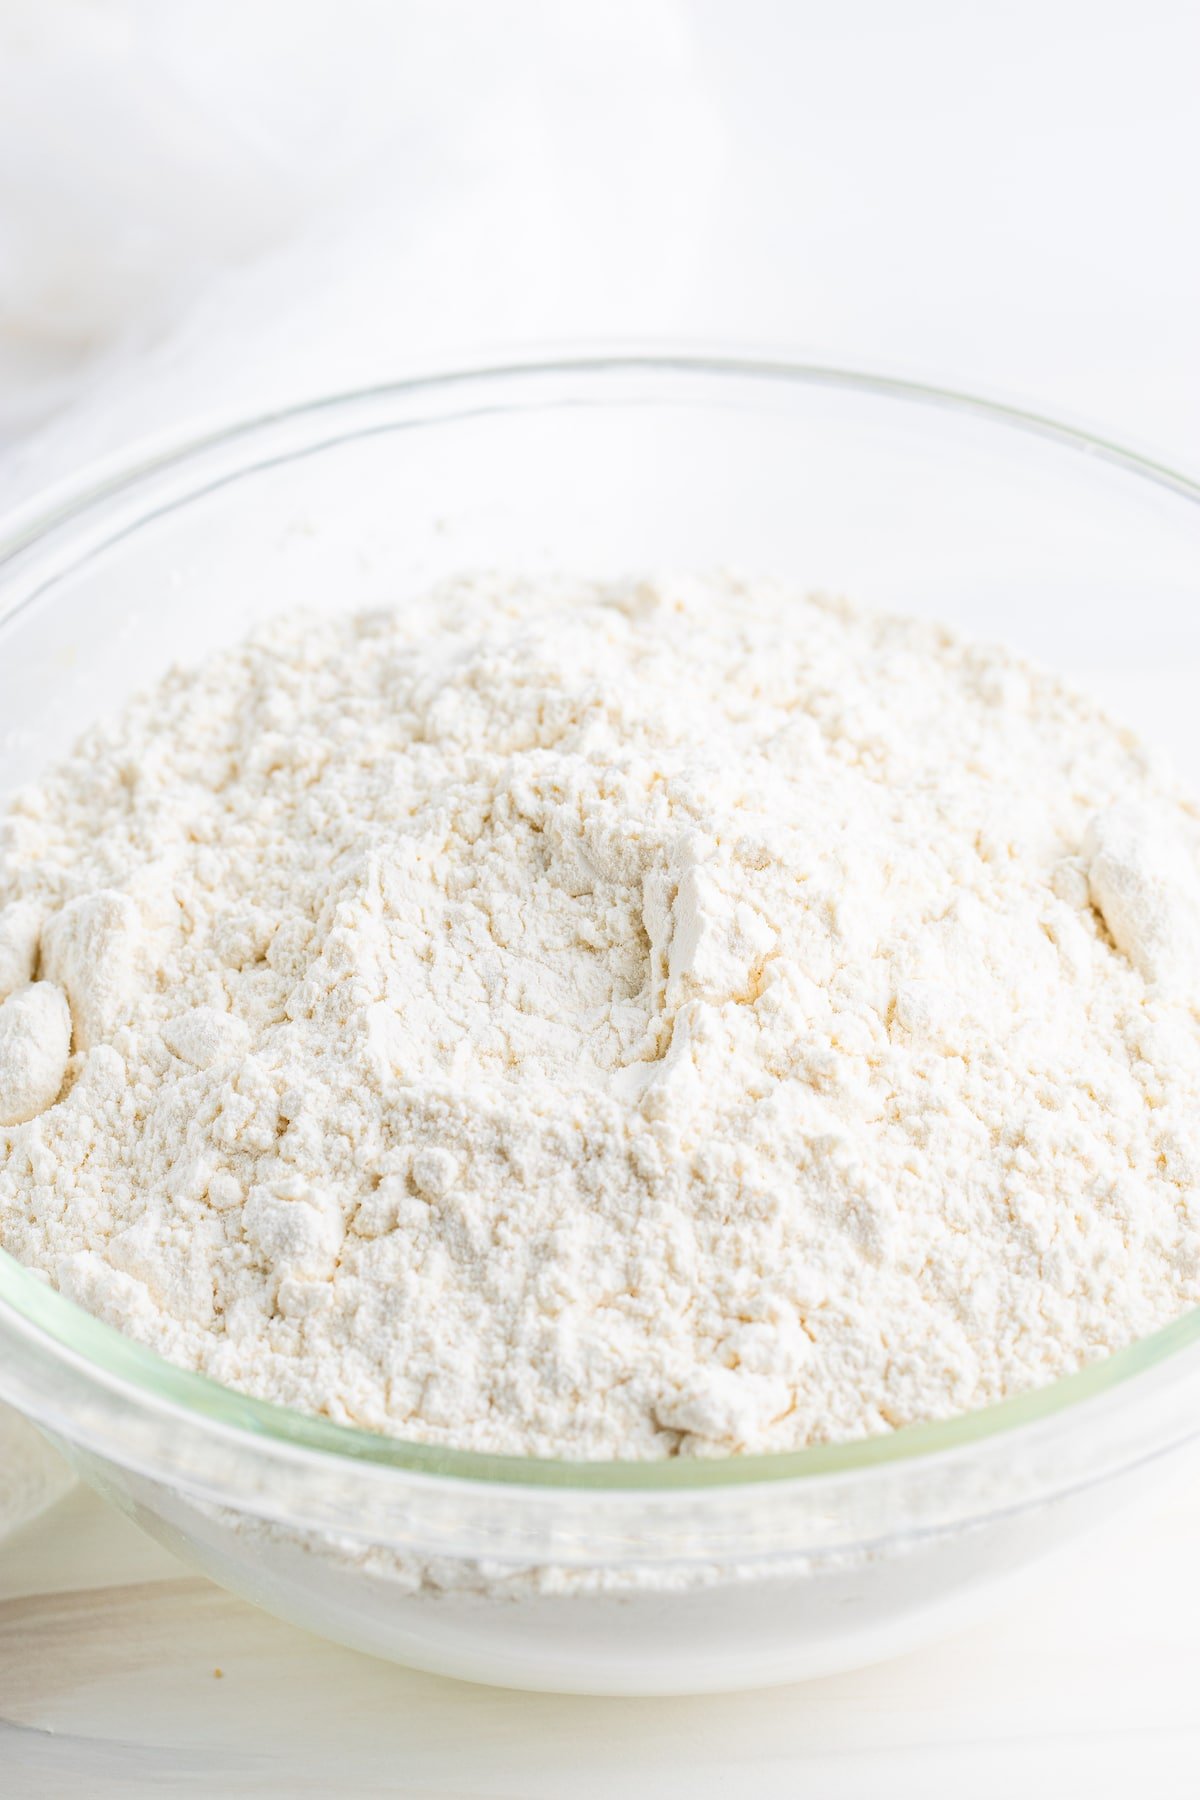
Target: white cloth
x=212 y=205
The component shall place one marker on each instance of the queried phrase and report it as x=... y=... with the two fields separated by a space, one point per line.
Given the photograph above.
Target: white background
x=205 y=202
x=206 y=205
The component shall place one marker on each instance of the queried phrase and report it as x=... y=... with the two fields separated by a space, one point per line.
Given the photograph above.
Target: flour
x=35 y=1042
x=673 y=1018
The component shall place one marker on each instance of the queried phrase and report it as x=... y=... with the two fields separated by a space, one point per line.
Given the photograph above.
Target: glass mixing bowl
x=605 y=1578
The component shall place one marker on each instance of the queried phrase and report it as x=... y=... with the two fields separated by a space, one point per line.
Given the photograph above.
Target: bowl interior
x=901 y=498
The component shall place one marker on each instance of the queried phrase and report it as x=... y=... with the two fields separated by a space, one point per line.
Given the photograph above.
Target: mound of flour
x=668 y=1018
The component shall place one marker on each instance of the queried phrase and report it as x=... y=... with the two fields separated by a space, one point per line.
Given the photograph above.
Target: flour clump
x=674 y=1017
x=35 y=1042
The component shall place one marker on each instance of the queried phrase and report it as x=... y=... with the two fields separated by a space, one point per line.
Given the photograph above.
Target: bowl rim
x=49 y=1324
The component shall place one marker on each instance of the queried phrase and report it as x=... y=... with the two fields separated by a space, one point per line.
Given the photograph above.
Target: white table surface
x=109 y=1647
x=195 y=203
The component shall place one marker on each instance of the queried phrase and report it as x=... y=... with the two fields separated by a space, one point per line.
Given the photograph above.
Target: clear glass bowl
x=605 y=1578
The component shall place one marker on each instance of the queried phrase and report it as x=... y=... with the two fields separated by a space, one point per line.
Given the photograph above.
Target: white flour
x=682 y=1018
